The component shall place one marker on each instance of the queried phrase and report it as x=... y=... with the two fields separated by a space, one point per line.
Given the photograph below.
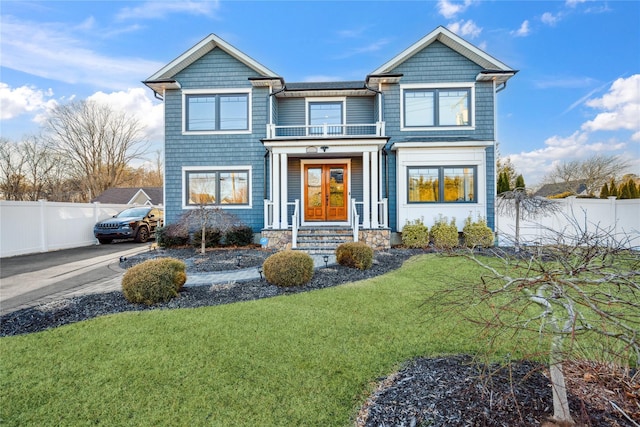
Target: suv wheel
x=142 y=235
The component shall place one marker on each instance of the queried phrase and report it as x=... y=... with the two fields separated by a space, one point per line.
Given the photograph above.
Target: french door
x=326 y=192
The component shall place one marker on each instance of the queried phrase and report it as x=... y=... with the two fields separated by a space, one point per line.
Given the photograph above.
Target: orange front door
x=325 y=189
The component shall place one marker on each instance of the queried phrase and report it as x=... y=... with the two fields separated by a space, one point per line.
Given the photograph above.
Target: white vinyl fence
x=31 y=227
x=617 y=218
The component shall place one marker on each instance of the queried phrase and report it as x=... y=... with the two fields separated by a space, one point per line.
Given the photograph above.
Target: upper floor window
x=326 y=116
x=210 y=112
x=448 y=184
x=430 y=107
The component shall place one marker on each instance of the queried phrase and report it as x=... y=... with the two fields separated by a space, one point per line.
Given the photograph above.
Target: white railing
x=268 y=213
x=383 y=213
x=326 y=130
x=295 y=223
x=355 y=219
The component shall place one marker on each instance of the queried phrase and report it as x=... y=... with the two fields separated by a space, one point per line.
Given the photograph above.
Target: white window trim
x=243 y=90
x=464 y=85
x=216 y=169
x=310 y=100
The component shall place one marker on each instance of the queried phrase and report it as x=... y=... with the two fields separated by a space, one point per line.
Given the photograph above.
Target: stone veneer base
x=377 y=238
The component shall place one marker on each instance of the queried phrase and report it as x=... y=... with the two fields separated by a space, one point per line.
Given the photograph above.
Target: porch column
x=374 y=189
x=366 y=189
x=275 y=188
x=284 y=191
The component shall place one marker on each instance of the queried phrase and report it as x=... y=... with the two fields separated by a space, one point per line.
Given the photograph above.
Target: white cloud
x=138 y=103
x=160 y=9
x=619 y=110
x=450 y=9
x=23 y=100
x=523 y=31
x=549 y=18
x=574 y=3
x=621 y=107
x=465 y=28
x=54 y=51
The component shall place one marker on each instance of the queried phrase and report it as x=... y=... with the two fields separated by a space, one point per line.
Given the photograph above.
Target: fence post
x=613 y=214
x=96 y=216
x=43 y=226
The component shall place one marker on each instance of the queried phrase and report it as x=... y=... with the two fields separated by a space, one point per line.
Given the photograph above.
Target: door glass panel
x=336 y=187
x=314 y=187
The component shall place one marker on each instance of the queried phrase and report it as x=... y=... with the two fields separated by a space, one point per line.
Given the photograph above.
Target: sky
x=576 y=95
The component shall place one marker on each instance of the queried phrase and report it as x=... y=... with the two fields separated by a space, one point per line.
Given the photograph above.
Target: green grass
x=299 y=360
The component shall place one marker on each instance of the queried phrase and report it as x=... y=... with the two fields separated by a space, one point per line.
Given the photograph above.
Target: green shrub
x=212 y=238
x=239 y=236
x=288 y=268
x=415 y=234
x=154 y=281
x=477 y=234
x=172 y=235
x=355 y=255
x=444 y=234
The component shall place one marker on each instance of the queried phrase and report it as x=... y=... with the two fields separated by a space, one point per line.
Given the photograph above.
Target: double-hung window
x=213 y=112
x=436 y=107
x=326 y=117
x=442 y=184
x=217 y=187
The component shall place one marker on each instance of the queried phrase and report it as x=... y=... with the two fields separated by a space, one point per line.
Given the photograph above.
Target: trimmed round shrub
x=154 y=281
x=355 y=255
x=172 y=235
x=445 y=234
x=288 y=268
x=415 y=234
x=477 y=234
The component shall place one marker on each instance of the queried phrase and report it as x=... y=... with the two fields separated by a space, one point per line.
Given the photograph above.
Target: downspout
x=500 y=89
x=157 y=96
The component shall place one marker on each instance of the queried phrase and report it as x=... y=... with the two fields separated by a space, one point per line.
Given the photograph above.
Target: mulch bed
x=445 y=391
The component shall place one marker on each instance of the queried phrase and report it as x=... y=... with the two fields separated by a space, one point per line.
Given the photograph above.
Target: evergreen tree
x=624 y=191
x=604 y=191
x=633 y=190
x=503 y=183
x=520 y=181
x=613 y=188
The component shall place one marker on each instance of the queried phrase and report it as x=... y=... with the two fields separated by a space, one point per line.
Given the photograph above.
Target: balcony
x=325 y=131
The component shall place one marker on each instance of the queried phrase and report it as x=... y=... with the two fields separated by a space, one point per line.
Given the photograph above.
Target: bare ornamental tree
x=593 y=172
x=98 y=141
x=578 y=289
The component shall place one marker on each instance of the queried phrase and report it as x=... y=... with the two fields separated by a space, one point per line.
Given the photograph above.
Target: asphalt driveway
x=29 y=280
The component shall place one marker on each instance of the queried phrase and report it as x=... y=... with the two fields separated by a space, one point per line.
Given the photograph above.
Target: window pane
x=329 y=113
x=201 y=188
x=234 y=112
x=418 y=108
x=336 y=187
x=453 y=107
x=234 y=188
x=201 y=113
x=423 y=185
x=459 y=184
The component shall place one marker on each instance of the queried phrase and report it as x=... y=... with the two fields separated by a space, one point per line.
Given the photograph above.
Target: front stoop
x=325 y=240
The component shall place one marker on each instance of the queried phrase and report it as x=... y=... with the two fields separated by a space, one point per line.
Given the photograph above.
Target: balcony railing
x=326 y=130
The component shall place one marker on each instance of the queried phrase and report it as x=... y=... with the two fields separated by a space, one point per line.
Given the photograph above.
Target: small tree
x=613 y=188
x=520 y=181
x=584 y=284
x=604 y=191
x=208 y=217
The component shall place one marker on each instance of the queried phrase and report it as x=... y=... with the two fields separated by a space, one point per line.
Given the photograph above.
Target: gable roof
x=206 y=45
x=574 y=187
x=454 y=42
x=128 y=195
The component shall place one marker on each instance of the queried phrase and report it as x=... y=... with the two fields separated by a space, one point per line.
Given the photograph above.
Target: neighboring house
x=414 y=140
x=152 y=196
x=572 y=187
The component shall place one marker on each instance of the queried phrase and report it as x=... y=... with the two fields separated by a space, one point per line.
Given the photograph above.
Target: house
x=414 y=139
x=572 y=188
x=152 y=196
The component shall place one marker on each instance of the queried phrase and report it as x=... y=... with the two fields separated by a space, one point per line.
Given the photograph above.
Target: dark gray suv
x=133 y=223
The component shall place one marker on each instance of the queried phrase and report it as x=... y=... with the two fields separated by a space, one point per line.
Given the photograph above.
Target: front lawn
x=303 y=359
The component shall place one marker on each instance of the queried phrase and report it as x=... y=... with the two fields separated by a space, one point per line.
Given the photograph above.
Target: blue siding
x=215 y=70
x=292 y=111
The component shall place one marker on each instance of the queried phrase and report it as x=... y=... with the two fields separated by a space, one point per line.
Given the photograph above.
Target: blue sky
x=577 y=93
